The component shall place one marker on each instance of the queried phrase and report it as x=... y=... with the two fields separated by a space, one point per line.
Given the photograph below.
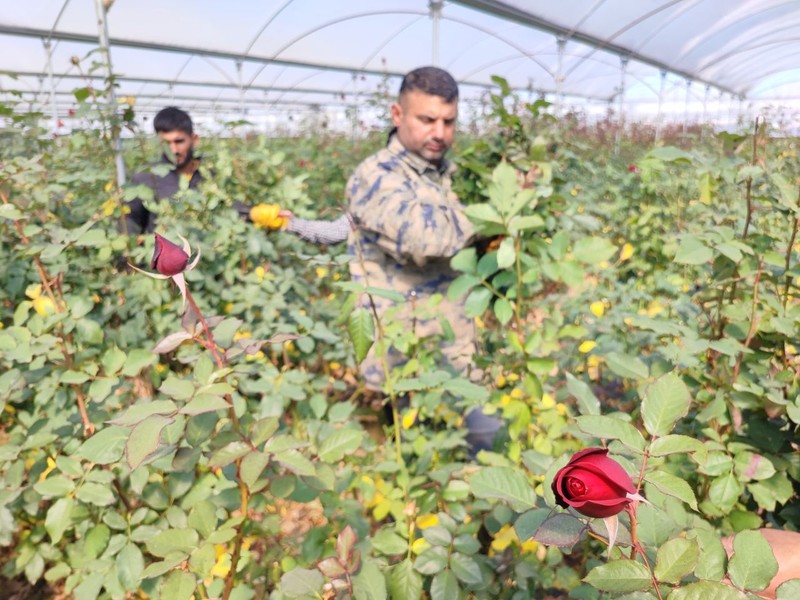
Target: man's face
x=425 y=124
x=178 y=146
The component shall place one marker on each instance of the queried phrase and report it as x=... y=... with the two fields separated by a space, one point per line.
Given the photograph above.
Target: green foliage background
x=652 y=310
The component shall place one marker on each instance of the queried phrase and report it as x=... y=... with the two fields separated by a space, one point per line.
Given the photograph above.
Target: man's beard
x=189 y=158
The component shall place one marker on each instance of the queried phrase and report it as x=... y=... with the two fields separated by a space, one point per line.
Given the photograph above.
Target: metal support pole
x=705 y=111
x=561 y=44
x=659 y=116
x=436 y=14
x=719 y=108
x=102 y=29
x=241 y=89
x=48 y=46
x=623 y=69
x=686 y=105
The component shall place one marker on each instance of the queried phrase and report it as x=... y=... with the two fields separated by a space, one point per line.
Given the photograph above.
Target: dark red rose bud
x=633 y=168
x=168 y=259
x=593 y=484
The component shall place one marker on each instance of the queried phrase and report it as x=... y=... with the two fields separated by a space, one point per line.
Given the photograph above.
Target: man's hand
x=269 y=216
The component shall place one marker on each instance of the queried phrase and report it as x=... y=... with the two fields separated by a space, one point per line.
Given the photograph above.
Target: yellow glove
x=266 y=215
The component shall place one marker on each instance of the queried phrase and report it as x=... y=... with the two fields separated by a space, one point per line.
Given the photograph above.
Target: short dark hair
x=173 y=118
x=430 y=80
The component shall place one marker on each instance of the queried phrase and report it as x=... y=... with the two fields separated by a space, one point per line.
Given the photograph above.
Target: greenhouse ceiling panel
x=265 y=53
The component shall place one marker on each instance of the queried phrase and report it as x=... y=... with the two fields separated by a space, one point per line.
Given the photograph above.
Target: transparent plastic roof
x=258 y=56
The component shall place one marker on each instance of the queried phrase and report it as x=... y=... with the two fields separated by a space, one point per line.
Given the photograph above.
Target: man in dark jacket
x=174 y=128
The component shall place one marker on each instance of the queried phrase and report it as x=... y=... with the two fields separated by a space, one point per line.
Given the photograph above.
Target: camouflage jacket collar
x=416 y=162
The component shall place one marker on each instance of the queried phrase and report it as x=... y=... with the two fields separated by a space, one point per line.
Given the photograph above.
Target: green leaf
x=627 y=366
x=665 y=402
x=362 y=332
x=183 y=540
x=389 y=542
x=137 y=360
x=179 y=585
x=477 y=302
x=725 y=491
x=679 y=444
x=609 y=428
x=437 y=536
x=620 y=576
x=295 y=462
x=224 y=332
x=339 y=443
x=588 y=404
x=503 y=310
x=203 y=403
x=463 y=388
x=670 y=154
x=145 y=439
x=465 y=260
x=693 y=251
x=369 y=584
x=96 y=540
x=671 y=485
x=506 y=484
x=713 y=559
x=58 y=518
x=675 y=559
x=750 y=466
x=593 y=250
x=95 y=493
x=562 y=530
x=180 y=389
x=228 y=453
x=253 y=464
x=139 y=412
x=431 y=561
x=789 y=590
x=130 y=566
x=445 y=586
x=302 y=583
x=203 y=518
x=465 y=568
x=706 y=590
x=56 y=486
x=752 y=565
x=105 y=446
x=404 y=582
x=506 y=255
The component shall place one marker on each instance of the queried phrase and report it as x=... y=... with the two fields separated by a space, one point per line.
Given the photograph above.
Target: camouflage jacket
x=409 y=223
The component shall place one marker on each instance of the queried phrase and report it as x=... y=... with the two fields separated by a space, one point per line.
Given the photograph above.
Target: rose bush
x=593 y=484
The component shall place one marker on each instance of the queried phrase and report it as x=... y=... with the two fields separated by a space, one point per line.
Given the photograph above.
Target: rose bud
x=168 y=259
x=594 y=485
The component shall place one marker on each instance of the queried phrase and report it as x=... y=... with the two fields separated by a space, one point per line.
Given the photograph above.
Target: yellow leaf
x=425 y=521
x=587 y=346
x=51 y=464
x=626 y=252
x=321 y=272
x=529 y=546
x=500 y=381
x=33 y=291
x=598 y=308
x=44 y=306
x=409 y=418
x=420 y=545
x=504 y=538
x=548 y=401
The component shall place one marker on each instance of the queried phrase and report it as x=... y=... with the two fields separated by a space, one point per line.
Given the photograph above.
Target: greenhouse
x=414 y=299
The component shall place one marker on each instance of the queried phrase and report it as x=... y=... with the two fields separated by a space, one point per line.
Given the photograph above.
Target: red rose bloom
x=593 y=484
x=168 y=259
x=633 y=168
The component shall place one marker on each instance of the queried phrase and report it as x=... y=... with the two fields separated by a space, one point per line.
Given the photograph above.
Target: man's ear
x=195 y=137
x=397 y=113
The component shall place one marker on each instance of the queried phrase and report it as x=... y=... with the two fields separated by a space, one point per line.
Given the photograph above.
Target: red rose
x=633 y=168
x=168 y=259
x=593 y=484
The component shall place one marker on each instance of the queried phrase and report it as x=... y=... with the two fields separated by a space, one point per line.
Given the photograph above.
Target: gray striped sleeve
x=320 y=232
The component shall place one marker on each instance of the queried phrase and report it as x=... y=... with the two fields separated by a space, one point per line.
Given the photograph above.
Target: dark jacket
x=141 y=220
